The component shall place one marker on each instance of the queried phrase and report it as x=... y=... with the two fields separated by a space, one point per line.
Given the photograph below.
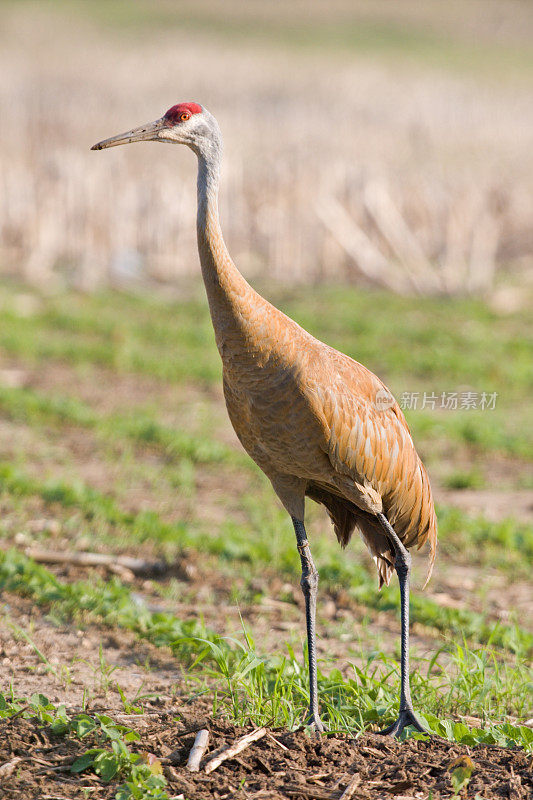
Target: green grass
x=464 y=479
x=126 y=334
x=32 y=408
x=452 y=342
x=275 y=550
x=506 y=544
x=262 y=690
x=441 y=346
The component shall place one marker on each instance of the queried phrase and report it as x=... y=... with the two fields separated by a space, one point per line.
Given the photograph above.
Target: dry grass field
x=377 y=187
x=360 y=144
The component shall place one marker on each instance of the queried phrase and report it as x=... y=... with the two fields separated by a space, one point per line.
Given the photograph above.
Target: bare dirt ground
x=83 y=664
x=90 y=661
x=278 y=766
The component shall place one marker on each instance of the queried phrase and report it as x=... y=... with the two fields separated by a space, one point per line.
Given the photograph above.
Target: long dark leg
x=309 y=584
x=402 y=564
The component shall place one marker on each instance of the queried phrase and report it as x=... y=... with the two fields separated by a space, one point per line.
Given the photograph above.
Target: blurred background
x=387 y=144
x=376 y=186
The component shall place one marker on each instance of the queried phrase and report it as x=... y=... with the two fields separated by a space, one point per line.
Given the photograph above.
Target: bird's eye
x=185 y=116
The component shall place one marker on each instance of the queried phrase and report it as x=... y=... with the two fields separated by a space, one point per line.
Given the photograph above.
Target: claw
x=315 y=723
x=406 y=717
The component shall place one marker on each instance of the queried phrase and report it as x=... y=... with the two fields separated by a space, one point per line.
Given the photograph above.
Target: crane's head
x=184 y=123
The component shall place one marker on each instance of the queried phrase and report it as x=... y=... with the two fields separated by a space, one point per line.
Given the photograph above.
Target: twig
x=62 y=797
x=262 y=765
x=19 y=713
x=232 y=750
x=82 y=559
x=126 y=575
x=58 y=768
x=352 y=786
x=276 y=741
x=9 y=767
x=197 y=751
x=318 y=777
x=307 y=791
x=120 y=715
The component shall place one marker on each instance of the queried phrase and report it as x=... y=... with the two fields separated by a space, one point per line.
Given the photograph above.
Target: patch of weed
x=112 y=758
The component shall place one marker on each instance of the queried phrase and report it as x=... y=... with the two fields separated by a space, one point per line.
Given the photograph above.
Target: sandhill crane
x=316 y=422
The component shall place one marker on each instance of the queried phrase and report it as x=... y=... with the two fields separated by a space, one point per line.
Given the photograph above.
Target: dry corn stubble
x=406 y=178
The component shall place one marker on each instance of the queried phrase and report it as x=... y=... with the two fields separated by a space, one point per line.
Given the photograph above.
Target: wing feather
x=371 y=445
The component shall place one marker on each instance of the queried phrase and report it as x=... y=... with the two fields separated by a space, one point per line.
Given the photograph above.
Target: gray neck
x=227 y=291
x=207 y=219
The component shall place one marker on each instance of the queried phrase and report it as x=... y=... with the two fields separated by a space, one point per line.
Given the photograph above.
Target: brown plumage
x=308 y=416
x=316 y=422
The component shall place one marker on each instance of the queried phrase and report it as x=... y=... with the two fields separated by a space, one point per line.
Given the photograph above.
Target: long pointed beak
x=142 y=134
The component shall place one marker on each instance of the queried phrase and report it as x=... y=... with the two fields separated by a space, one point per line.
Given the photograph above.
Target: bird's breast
x=270 y=413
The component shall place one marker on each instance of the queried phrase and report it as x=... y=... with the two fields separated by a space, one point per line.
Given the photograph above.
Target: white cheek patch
x=168 y=134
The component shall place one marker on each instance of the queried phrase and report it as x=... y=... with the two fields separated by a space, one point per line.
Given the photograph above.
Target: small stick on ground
x=352 y=786
x=139 y=566
x=276 y=741
x=19 y=713
x=197 y=751
x=310 y=792
x=7 y=769
x=232 y=750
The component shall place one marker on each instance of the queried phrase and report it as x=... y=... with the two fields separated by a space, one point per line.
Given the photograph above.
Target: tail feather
x=431 y=537
x=347 y=518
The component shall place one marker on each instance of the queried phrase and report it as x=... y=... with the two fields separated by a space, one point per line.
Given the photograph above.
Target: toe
x=316 y=725
x=405 y=719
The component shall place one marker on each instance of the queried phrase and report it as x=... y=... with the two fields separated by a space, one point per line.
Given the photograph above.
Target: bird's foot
x=406 y=717
x=314 y=722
